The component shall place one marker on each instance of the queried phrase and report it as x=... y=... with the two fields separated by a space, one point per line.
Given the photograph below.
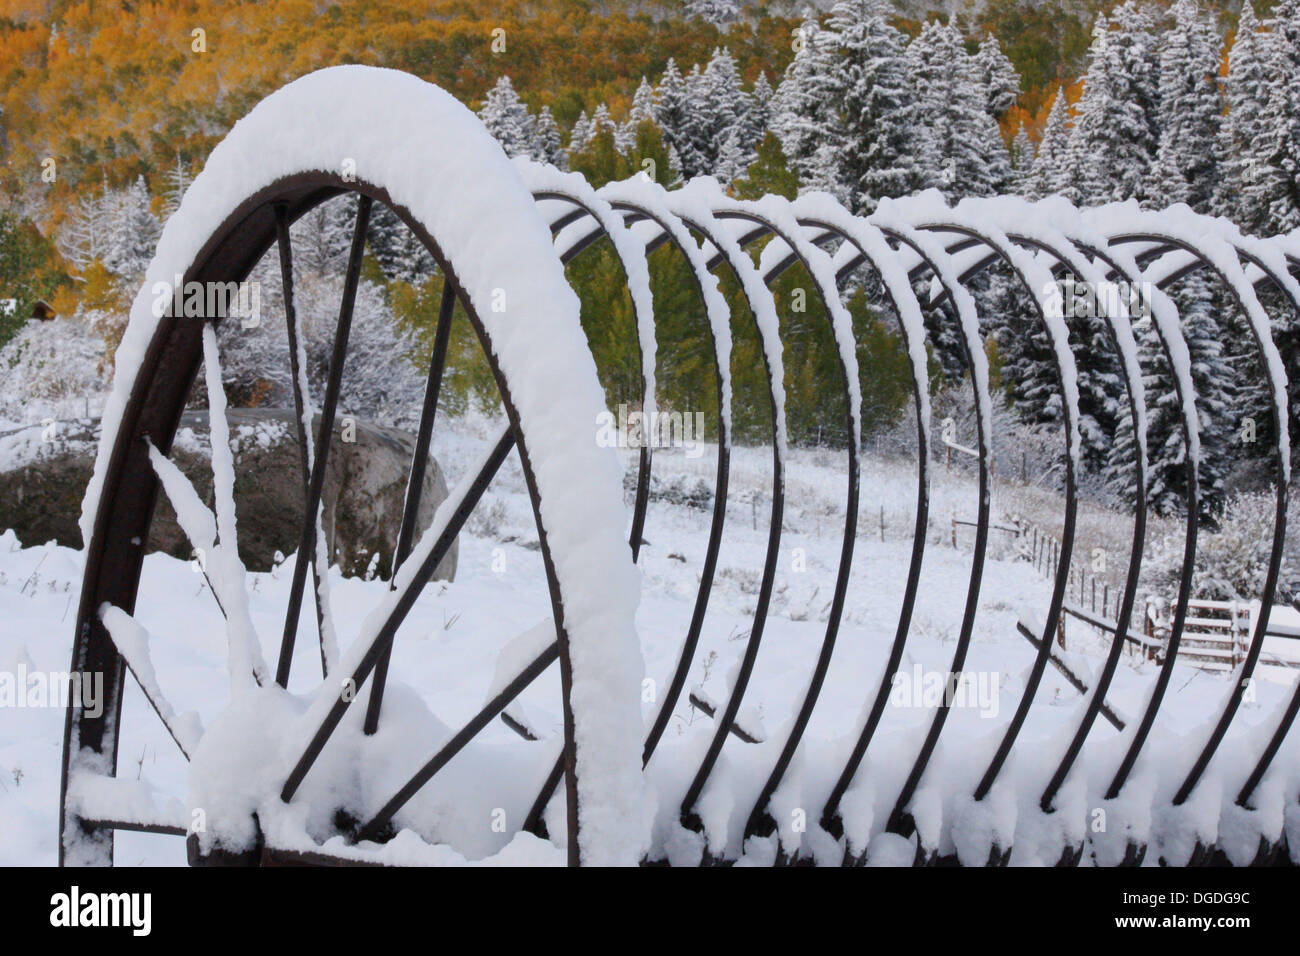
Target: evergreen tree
x=964 y=152
x=1138 y=47
x=1052 y=172
x=1010 y=318
x=132 y=231
x=731 y=160
x=1281 y=118
x=997 y=76
x=602 y=124
x=1186 y=167
x=399 y=253
x=322 y=237
x=547 y=147
x=1102 y=398
x=1280 y=169
x=508 y=119
x=805 y=117
x=1022 y=160
x=758 y=119
x=1214 y=381
x=1109 y=144
x=579 y=135
x=672 y=113
x=643 y=107
x=1241 y=192
x=716 y=105
x=882 y=119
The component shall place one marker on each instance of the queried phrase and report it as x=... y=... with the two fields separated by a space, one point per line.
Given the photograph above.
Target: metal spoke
x=415 y=481
x=135 y=652
x=297 y=375
x=374 y=828
x=307 y=543
x=533 y=822
x=469 y=499
x=899 y=819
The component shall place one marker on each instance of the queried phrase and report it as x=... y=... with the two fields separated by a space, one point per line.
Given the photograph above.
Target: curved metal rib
x=759 y=821
x=1064 y=362
x=1060 y=248
x=1243 y=292
x=669 y=230
x=753 y=290
x=932 y=258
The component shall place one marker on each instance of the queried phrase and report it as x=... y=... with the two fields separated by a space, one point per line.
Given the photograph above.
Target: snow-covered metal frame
x=231 y=218
x=1178 y=243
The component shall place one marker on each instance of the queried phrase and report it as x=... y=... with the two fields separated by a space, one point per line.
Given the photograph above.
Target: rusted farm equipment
x=251 y=196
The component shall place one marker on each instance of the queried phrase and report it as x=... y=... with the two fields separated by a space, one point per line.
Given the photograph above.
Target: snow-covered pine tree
x=132 y=231
x=1009 y=316
x=602 y=123
x=643 y=103
x=1280 y=172
x=758 y=119
x=580 y=135
x=732 y=160
x=385 y=239
x=1241 y=192
x=1281 y=119
x=643 y=107
x=1186 y=167
x=1110 y=146
x=964 y=154
x=880 y=113
x=805 y=116
x=1133 y=24
x=672 y=113
x=1052 y=172
x=508 y=120
x=548 y=147
x=409 y=260
x=1022 y=160
x=1214 y=381
x=322 y=237
x=675 y=168
x=997 y=75
x=716 y=105
x=1102 y=399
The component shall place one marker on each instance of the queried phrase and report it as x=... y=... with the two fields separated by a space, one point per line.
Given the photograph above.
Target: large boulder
x=44 y=471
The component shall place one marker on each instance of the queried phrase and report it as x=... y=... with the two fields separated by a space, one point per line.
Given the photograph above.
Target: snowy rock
x=44 y=470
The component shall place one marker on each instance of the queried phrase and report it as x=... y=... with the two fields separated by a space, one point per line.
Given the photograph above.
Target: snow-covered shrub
x=380 y=382
x=1230 y=564
x=52 y=370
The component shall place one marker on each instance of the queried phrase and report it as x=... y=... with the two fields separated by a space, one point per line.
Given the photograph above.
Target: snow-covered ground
x=446 y=654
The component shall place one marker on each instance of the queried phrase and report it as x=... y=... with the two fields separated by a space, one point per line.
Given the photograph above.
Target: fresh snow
x=425 y=147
